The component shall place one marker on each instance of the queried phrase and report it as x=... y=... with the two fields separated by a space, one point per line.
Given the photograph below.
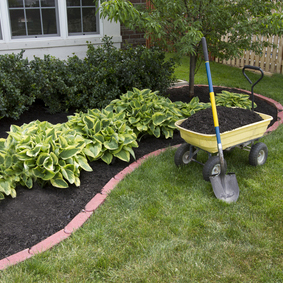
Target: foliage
x=144 y=68
x=40 y=151
x=51 y=85
x=103 y=75
x=179 y=25
x=229 y=99
x=112 y=72
x=148 y=113
x=44 y=152
x=16 y=83
x=110 y=135
x=94 y=78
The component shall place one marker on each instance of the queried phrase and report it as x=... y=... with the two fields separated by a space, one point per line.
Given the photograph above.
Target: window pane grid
x=29 y=18
x=81 y=17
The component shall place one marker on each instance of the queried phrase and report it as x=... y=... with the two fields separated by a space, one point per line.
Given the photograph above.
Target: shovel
x=225 y=187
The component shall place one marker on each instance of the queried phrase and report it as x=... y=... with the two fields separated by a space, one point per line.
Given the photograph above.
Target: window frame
x=82 y=33
x=1 y=35
x=40 y=8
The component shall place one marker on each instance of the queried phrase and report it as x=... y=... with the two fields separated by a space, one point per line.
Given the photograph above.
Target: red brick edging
x=99 y=198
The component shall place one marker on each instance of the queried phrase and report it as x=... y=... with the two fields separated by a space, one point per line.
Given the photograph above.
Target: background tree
x=178 y=25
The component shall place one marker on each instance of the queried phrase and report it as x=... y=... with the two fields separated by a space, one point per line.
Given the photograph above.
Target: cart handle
x=252 y=90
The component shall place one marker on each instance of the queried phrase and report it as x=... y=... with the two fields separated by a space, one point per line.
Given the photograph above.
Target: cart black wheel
x=182 y=155
x=212 y=167
x=258 y=154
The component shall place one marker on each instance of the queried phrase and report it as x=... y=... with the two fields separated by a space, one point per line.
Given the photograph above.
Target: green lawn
x=164 y=224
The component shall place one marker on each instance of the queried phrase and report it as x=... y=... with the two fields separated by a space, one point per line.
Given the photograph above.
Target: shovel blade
x=225 y=187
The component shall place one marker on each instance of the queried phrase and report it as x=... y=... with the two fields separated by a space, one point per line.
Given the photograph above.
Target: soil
x=37 y=213
x=228 y=118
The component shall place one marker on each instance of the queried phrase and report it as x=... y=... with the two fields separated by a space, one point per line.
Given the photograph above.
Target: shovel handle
x=204 y=48
x=211 y=92
x=206 y=59
x=213 y=104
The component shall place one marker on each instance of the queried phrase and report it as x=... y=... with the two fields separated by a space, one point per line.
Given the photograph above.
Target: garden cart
x=225 y=187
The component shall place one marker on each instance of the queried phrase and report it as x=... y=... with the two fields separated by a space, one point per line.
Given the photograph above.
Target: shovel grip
x=204 y=48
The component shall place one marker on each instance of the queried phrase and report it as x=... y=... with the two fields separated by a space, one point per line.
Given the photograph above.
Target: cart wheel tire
x=212 y=167
x=258 y=154
x=182 y=155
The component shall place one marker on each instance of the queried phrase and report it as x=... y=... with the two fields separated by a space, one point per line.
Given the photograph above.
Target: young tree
x=179 y=25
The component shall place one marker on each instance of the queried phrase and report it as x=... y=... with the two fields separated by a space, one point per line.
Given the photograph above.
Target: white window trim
x=62 y=40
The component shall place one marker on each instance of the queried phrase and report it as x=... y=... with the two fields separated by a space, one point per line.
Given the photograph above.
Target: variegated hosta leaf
x=93 y=150
x=123 y=155
x=58 y=181
x=107 y=157
x=112 y=144
x=83 y=163
x=69 y=152
x=68 y=175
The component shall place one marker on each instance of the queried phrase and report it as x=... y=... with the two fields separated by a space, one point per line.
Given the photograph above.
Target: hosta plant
x=110 y=136
x=43 y=152
x=230 y=99
x=148 y=113
x=8 y=177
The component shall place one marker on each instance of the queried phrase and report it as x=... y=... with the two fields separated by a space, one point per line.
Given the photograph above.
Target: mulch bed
x=37 y=213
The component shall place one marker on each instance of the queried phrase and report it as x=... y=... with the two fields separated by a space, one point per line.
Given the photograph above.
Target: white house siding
x=60 y=46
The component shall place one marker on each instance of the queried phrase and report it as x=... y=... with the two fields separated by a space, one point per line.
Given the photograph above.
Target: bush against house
x=81 y=84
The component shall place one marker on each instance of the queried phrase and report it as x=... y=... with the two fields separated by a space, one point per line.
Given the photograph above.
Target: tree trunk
x=192 y=74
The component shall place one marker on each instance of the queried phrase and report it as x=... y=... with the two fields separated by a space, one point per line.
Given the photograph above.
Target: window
x=33 y=18
x=82 y=17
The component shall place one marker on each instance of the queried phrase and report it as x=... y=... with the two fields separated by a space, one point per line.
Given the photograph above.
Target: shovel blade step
x=225 y=187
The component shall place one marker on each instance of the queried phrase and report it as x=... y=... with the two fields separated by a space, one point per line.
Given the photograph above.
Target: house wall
x=133 y=37
x=60 y=46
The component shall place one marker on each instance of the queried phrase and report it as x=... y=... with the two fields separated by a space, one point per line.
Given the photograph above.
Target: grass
x=164 y=224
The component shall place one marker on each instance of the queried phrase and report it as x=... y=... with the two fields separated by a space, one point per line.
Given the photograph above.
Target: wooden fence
x=270 y=60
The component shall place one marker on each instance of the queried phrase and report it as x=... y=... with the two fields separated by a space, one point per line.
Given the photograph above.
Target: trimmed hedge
x=93 y=82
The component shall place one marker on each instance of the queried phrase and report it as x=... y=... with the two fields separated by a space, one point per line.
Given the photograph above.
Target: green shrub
x=95 y=81
x=121 y=70
x=104 y=75
x=52 y=82
x=107 y=72
x=16 y=84
x=144 y=68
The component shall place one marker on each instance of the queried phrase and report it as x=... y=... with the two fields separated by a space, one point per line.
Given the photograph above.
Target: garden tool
x=225 y=187
x=253 y=84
